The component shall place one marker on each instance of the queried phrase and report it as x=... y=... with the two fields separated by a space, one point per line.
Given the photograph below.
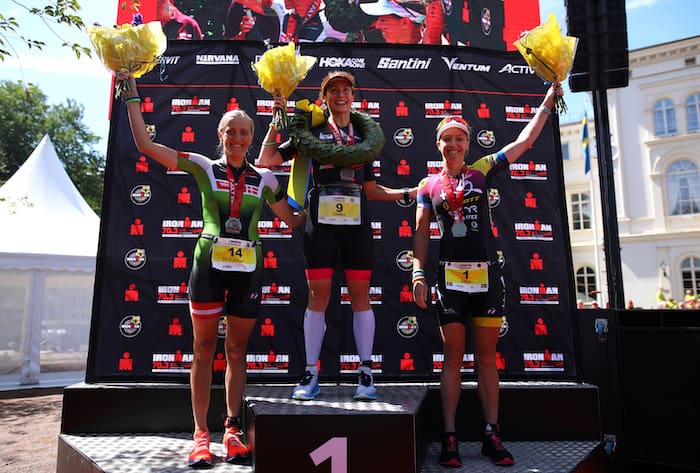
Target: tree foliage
x=26 y=118
x=60 y=12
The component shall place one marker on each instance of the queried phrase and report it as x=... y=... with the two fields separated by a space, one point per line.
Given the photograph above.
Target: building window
x=692 y=108
x=683 y=188
x=690 y=272
x=664 y=118
x=581 y=210
x=565 y=151
x=585 y=284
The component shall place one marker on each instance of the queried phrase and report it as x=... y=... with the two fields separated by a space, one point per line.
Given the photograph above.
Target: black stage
x=397 y=433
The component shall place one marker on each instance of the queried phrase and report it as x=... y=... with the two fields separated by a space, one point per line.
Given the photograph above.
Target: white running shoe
x=308 y=388
x=365 y=388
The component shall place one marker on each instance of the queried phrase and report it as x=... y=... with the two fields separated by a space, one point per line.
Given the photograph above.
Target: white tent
x=48 y=247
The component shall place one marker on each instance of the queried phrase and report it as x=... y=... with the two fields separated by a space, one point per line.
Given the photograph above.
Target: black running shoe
x=493 y=448
x=449 y=452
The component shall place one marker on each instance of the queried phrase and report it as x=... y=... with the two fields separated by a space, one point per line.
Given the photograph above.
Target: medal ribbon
x=455 y=198
x=337 y=135
x=236 y=188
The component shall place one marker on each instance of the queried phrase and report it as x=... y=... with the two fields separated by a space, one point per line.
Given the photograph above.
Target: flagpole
x=594 y=221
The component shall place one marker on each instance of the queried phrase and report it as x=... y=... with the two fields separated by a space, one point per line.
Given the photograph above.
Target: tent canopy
x=44 y=221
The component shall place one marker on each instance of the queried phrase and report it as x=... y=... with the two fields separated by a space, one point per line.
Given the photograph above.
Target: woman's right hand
x=420 y=293
x=247 y=24
x=280 y=103
x=128 y=77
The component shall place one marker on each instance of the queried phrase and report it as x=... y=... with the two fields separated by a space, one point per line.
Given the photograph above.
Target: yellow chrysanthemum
x=280 y=70
x=548 y=52
x=129 y=48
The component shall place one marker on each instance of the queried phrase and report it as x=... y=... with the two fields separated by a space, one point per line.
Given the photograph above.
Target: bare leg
x=238 y=332
x=204 y=345
x=453 y=339
x=485 y=340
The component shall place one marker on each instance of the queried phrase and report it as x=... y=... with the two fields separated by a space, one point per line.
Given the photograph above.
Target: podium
x=548 y=426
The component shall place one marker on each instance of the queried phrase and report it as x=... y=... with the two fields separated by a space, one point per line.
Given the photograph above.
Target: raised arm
x=269 y=156
x=161 y=153
x=532 y=130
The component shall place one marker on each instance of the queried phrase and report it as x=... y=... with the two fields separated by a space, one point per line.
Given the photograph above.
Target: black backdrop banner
x=141 y=328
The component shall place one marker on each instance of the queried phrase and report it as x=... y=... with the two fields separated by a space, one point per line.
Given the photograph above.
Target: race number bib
x=339 y=206
x=467 y=277
x=231 y=254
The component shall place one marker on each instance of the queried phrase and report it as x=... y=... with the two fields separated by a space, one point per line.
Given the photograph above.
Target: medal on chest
x=233 y=224
x=454 y=195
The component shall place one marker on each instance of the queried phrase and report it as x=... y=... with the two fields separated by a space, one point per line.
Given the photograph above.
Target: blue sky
x=60 y=75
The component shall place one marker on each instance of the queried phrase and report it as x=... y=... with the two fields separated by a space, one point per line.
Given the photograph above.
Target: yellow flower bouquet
x=549 y=54
x=279 y=72
x=128 y=48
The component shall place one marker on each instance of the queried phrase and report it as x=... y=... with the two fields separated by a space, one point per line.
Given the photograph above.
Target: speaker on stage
x=602 y=58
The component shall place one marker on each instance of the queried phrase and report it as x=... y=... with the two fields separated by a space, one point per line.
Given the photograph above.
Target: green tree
x=26 y=118
x=59 y=12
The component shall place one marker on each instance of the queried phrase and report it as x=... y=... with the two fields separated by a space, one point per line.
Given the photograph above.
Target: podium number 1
x=337 y=450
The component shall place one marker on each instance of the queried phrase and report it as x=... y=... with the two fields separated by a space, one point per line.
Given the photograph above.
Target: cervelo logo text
x=168 y=60
x=349 y=62
x=214 y=59
x=516 y=69
x=410 y=64
x=453 y=64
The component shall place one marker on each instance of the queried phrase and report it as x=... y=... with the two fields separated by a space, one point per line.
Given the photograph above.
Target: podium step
x=550 y=457
x=381 y=435
x=135 y=453
x=166 y=453
x=552 y=427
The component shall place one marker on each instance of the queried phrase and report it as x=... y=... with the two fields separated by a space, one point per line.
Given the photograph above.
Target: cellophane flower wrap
x=128 y=48
x=279 y=71
x=549 y=53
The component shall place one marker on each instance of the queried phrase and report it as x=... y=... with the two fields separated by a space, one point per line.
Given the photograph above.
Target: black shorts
x=323 y=243
x=484 y=308
x=240 y=292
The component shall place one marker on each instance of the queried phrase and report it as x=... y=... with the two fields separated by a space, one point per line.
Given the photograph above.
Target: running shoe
x=236 y=450
x=200 y=457
x=365 y=386
x=449 y=452
x=308 y=388
x=493 y=448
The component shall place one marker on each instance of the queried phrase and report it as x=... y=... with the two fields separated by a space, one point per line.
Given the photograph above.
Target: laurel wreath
x=347 y=16
x=331 y=153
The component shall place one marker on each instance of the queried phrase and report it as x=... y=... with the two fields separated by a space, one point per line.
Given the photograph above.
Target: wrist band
x=406 y=197
x=271 y=125
x=418 y=275
x=135 y=98
x=546 y=110
x=270 y=143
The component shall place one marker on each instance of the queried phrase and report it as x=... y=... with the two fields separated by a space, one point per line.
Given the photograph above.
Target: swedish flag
x=584 y=144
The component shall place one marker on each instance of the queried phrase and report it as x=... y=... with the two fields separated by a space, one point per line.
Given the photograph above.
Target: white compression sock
x=314 y=330
x=363 y=326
